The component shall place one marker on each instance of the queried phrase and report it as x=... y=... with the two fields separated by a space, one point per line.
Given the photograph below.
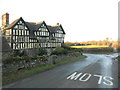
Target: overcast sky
x=82 y=20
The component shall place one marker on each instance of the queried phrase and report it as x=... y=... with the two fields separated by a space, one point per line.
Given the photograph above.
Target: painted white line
x=106 y=80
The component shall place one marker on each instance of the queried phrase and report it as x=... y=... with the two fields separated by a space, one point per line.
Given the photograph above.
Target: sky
x=82 y=20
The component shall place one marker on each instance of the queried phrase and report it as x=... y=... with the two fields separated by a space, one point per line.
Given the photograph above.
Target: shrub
x=11 y=59
x=40 y=57
x=23 y=53
x=59 y=51
x=42 y=51
x=76 y=50
x=26 y=58
x=19 y=53
x=16 y=53
x=71 y=50
x=16 y=59
x=66 y=46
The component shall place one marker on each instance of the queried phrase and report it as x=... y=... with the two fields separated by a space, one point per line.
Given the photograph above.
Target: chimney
x=5 y=20
x=57 y=23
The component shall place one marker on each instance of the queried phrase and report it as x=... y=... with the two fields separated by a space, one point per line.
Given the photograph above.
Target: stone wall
x=55 y=58
x=23 y=64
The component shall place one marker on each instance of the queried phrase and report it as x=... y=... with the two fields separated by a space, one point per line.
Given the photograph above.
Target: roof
x=12 y=24
x=54 y=29
x=33 y=26
x=30 y=25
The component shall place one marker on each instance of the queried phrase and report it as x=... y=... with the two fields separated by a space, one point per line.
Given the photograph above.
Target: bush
x=72 y=50
x=11 y=59
x=66 y=46
x=23 y=53
x=40 y=57
x=19 y=53
x=42 y=51
x=16 y=59
x=59 y=51
x=16 y=53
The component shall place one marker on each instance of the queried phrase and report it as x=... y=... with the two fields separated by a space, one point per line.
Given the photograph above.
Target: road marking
x=74 y=76
x=83 y=77
x=100 y=78
x=106 y=78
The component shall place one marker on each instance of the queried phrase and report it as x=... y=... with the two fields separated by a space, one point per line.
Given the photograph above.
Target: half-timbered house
x=27 y=35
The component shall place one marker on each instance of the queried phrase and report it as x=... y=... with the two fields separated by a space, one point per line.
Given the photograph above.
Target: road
x=97 y=71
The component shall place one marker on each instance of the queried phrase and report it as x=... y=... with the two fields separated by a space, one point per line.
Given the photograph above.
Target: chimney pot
x=57 y=23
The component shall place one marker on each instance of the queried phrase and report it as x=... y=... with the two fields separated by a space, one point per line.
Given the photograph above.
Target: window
x=27 y=32
x=25 y=45
x=14 y=32
x=21 y=27
x=13 y=45
x=28 y=39
x=19 y=32
x=38 y=33
x=47 y=33
x=21 y=39
x=43 y=33
x=22 y=32
x=13 y=38
x=16 y=39
x=30 y=45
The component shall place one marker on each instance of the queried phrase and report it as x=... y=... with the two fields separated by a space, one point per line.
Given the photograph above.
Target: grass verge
x=28 y=72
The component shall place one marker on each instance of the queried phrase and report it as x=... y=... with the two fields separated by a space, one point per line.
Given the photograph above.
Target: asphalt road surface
x=95 y=71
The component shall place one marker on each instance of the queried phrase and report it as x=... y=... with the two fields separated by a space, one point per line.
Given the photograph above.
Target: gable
x=56 y=29
x=14 y=24
x=20 y=25
x=62 y=29
x=43 y=27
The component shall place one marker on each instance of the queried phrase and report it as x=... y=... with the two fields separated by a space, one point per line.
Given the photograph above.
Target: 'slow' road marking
x=106 y=80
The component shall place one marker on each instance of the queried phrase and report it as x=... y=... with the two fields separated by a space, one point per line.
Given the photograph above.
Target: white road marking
x=106 y=80
x=100 y=78
x=81 y=78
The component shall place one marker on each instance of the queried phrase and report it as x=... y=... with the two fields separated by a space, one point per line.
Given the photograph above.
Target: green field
x=89 y=46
